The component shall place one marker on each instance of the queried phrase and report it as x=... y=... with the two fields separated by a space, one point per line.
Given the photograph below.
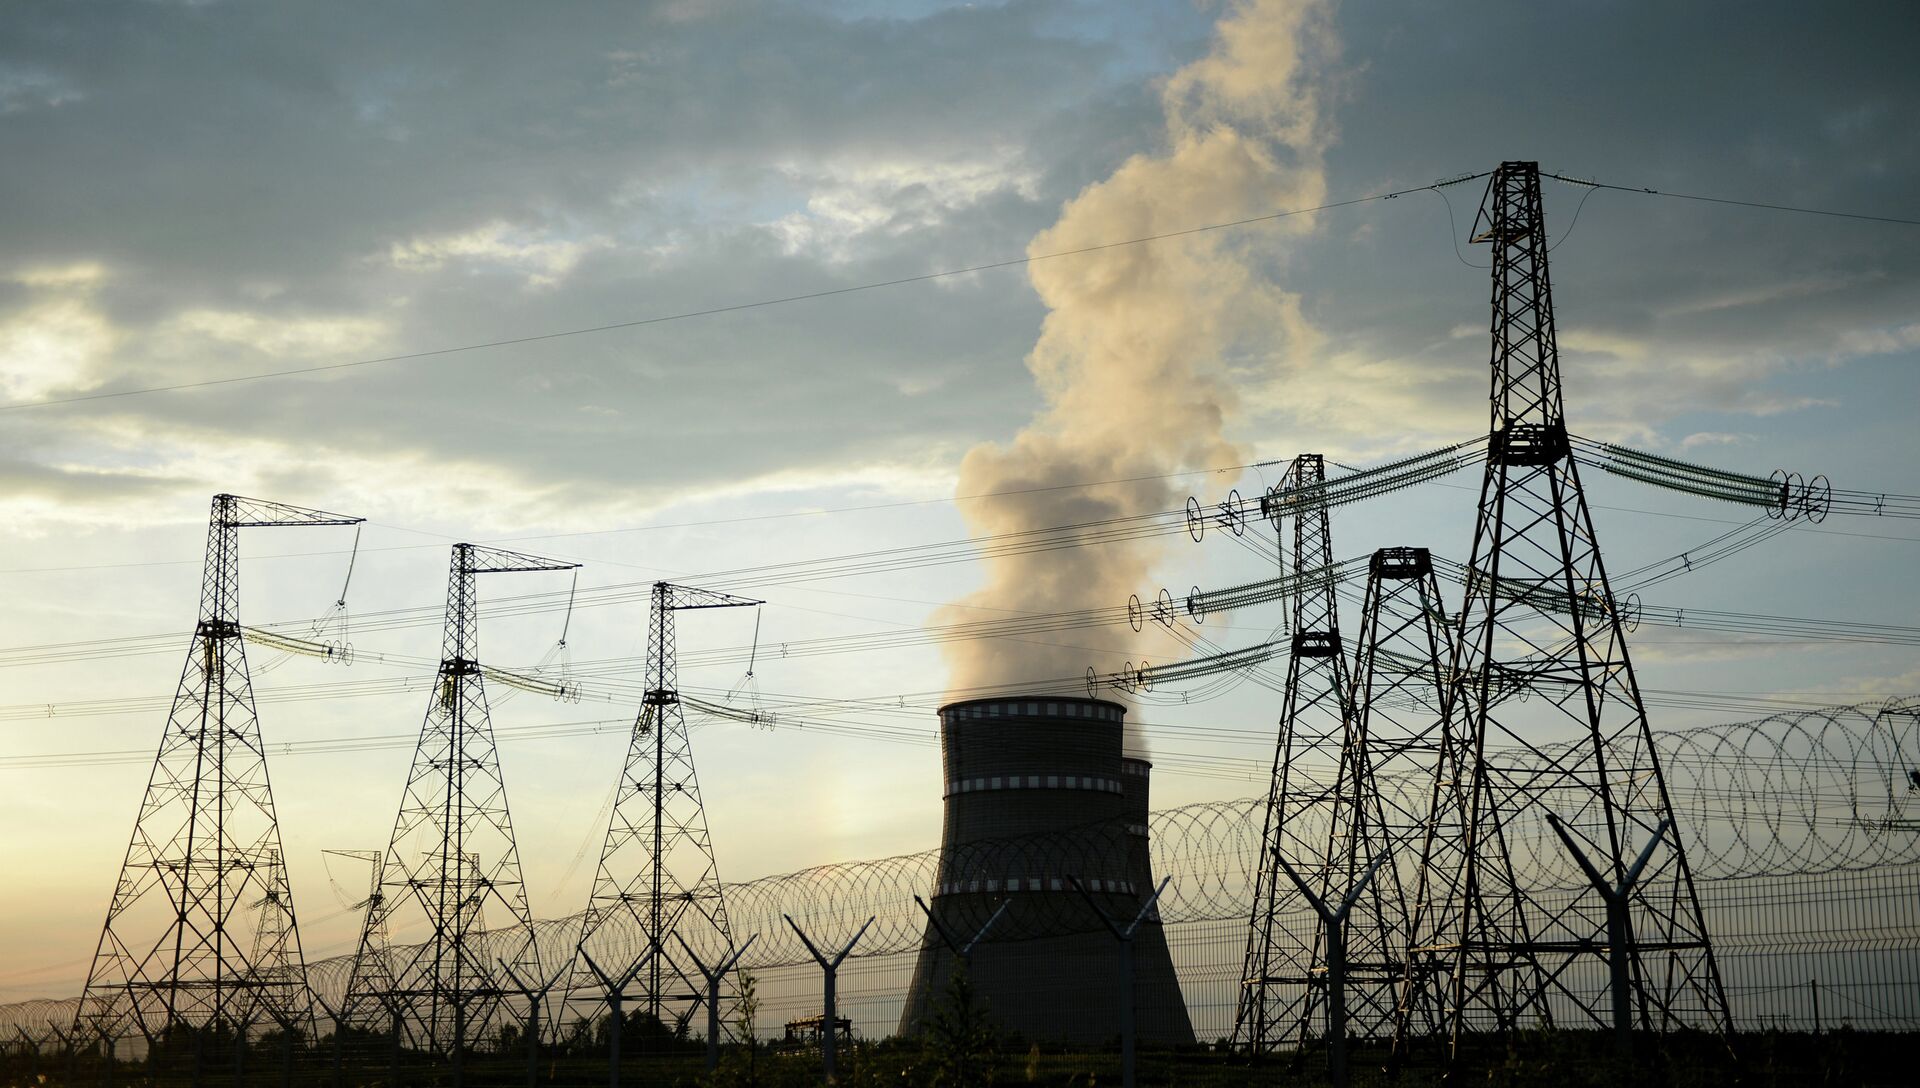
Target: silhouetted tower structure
x=1541 y=659
x=371 y=974
x=276 y=960
x=1281 y=938
x=452 y=855
x=1399 y=731
x=175 y=950
x=657 y=877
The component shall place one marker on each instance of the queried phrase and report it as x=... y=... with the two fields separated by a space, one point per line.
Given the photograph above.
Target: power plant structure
x=1469 y=827
x=1045 y=822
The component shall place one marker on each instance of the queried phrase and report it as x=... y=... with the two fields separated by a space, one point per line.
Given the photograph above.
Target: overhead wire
x=711 y=311
x=1361 y=484
x=602 y=679
x=1800 y=210
x=1227 y=661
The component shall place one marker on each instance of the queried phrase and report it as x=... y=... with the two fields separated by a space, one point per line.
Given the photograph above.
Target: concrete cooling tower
x=1037 y=792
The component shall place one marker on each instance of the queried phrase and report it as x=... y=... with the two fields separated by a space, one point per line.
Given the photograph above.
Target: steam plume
x=1142 y=350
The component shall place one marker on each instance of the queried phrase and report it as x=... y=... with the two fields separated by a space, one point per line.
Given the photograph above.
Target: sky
x=204 y=192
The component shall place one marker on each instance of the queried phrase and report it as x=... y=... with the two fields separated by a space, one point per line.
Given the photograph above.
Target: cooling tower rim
x=1118 y=710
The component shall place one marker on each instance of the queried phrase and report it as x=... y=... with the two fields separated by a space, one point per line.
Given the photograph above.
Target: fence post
x=534 y=998
x=961 y=952
x=1125 y=937
x=66 y=1044
x=1813 y=987
x=393 y=1053
x=533 y=1037
x=713 y=978
x=616 y=998
x=338 y=1016
x=30 y=1049
x=240 y=1029
x=286 y=1025
x=1334 y=921
x=1621 y=953
x=964 y=952
x=831 y=1028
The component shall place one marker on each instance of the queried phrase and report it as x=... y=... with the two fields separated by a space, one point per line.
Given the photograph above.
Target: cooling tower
x=1037 y=792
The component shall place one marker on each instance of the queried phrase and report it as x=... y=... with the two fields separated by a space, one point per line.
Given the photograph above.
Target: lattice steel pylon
x=1276 y=992
x=275 y=959
x=1541 y=657
x=1398 y=727
x=175 y=951
x=452 y=854
x=657 y=879
x=371 y=973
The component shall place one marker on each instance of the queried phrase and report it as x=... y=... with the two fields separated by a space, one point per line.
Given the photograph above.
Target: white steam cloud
x=1144 y=345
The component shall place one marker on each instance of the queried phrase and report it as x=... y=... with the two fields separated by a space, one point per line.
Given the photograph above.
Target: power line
x=1745 y=534
x=809 y=296
x=1589 y=183
x=711 y=311
x=701 y=523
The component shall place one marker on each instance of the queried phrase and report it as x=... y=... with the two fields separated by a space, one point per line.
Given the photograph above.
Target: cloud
x=1700 y=307
x=272 y=334
x=341 y=191
x=1700 y=439
x=78 y=274
x=545 y=261
x=129 y=473
x=59 y=345
x=1886 y=340
x=25 y=87
x=345 y=192
x=850 y=200
x=1140 y=354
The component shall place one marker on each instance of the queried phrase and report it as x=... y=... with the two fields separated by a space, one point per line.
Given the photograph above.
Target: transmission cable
x=1738 y=203
x=710 y=311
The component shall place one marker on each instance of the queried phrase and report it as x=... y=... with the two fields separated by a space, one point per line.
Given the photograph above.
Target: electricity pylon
x=657 y=879
x=275 y=957
x=175 y=951
x=1396 y=732
x=1399 y=733
x=371 y=972
x=1541 y=660
x=1276 y=971
x=452 y=854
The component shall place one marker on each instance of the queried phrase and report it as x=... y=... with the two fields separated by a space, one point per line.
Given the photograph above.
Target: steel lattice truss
x=657 y=884
x=276 y=948
x=1280 y=956
x=1530 y=677
x=182 y=946
x=452 y=856
x=1399 y=729
x=1816 y=792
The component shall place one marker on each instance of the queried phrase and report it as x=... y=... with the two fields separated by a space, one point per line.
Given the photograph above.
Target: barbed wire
x=1795 y=794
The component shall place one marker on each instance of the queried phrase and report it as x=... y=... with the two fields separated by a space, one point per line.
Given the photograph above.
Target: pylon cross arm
x=240 y=512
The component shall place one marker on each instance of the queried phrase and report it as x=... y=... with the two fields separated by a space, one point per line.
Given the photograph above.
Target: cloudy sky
x=203 y=192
